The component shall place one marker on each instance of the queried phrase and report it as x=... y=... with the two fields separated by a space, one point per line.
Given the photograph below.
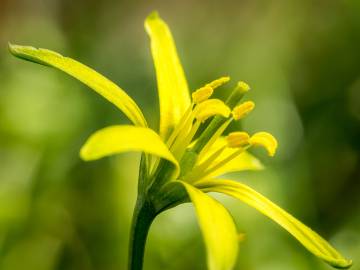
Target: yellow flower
x=176 y=166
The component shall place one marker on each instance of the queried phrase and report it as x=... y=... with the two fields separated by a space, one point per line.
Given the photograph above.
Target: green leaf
x=217 y=227
x=88 y=76
x=172 y=86
x=118 y=139
x=307 y=237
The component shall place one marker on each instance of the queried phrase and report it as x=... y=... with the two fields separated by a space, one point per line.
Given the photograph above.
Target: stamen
x=242 y=87
x=202 y=94
x=183 y=124
x=218 y=82
x=243 y=109
x=265 y=140
x=199 y=169
x=214 y=137
x=224 y=161
x=237 y=94
x=179 y=147
x=237 y=139
x=179 y=140
x=192 y=133
x=209 y=108
x=215 y=127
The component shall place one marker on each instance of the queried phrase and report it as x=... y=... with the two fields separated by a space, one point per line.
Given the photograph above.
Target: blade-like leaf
x=307 y=237
x=118 y=139
x=172 y=86
x=88 y=76
x=218 y=229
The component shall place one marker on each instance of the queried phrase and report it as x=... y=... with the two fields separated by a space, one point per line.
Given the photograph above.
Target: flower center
x=194 y=142
x=191 y=152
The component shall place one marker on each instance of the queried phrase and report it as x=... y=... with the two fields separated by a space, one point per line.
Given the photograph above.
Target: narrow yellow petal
x=218 y=229
x=172 y=86
x=307 y=237
x=118 y=139
x=265 y=140
x=86 y=75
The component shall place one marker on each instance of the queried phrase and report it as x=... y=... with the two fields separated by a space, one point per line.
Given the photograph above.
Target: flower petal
x=217 y=227
x=172 y=86
x=88 y=76
x=307 y=237
x=117 y=139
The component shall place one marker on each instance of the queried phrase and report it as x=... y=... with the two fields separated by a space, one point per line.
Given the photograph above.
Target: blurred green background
x=302 y=59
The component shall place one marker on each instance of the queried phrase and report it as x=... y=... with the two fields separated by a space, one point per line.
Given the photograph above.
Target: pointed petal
x=218 y=229
x=172 y=86
x=88 y=76
x=117 y=139
x=307 y=237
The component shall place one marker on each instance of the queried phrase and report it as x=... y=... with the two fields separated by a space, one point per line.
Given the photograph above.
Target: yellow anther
x=265 y=140
x=209 y=108
x=202 y=94
x=237 y=139
x=243 y=87
x=218 y=82
x=243 y=109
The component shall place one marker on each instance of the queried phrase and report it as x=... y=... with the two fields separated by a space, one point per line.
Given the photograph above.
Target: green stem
x=143 y=216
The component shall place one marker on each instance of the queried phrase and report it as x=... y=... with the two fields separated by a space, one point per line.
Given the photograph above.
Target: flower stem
x=143 y=216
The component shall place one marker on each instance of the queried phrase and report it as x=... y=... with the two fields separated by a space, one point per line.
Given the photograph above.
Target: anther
x=211 y=107
x=265 y=140
x=237 y=139
x=243 y=87
x=218 y=82
x=243 y=109
x=202 y=94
